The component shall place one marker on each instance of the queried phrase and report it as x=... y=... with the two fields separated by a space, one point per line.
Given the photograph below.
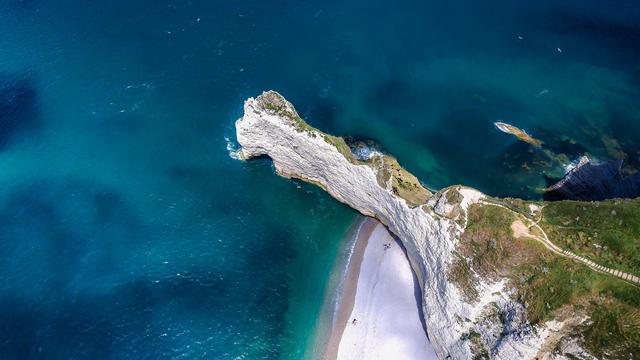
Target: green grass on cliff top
x=403 y=183
x=548 y=285
x=607 y=232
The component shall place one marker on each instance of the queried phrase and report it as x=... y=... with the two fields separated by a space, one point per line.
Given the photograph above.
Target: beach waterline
x=347 y=263
x=372 y=285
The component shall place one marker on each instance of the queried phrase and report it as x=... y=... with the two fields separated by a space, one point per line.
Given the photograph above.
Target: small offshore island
x=498 y=278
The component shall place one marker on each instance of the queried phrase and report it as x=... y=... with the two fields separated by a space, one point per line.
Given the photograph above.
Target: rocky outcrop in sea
x=589 y=181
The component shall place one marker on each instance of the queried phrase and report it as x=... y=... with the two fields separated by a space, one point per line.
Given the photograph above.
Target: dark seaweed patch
x=323 y=114
x=18 y=108
x=49 y=309
x=392 y=93
x=622 y=39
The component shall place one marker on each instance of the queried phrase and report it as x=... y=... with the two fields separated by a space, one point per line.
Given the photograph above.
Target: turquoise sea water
x=127 y=231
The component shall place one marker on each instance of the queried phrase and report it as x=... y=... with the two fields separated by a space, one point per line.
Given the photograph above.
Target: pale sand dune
x=386 y=309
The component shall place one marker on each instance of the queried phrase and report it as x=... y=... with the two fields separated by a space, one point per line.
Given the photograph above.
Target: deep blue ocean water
x=127 y=231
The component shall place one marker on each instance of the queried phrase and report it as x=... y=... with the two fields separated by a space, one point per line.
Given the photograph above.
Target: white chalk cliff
x=429 y=233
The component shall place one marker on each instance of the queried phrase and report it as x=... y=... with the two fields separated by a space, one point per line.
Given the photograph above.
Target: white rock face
x=428 y=235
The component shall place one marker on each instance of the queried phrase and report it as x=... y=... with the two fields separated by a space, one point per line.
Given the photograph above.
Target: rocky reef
x=518 y=133
x=475 y=304
x=588 y=181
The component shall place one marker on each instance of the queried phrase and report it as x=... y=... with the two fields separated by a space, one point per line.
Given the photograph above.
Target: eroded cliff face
x=429 y=225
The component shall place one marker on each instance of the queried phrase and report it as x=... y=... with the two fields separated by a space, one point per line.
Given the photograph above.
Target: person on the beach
x=354 y=322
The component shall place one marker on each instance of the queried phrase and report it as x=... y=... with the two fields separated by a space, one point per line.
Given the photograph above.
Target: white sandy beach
x=386 y=311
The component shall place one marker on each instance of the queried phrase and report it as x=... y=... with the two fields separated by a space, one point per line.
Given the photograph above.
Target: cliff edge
x=471 y=309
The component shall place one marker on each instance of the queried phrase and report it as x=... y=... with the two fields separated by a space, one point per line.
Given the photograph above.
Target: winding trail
x=521 y=229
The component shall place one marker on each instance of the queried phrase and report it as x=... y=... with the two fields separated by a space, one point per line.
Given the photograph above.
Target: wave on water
x=144 y=85
x=233 y=149
x=365 y=153
x=326 y=322
x=572 y=165
x=344 y=273
x=581 y=160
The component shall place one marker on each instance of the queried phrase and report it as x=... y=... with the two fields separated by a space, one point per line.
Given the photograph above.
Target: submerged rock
x=589 y=181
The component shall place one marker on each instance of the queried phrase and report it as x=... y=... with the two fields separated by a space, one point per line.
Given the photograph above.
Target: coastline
x=337 y=306
x=377 y=287
x=346 y=296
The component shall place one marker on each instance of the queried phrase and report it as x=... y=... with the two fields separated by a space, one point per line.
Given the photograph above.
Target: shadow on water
x=18 y=107
x=417 y=289
x=321 y=113
x=393 y=93
x=59 y=225
x=618 y=36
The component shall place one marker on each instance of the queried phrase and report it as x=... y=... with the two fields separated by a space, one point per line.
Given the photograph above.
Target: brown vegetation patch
x=403 y=183
x=460 y=273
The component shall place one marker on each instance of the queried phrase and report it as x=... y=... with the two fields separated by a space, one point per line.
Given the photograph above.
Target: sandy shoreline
x=379 y=292
x=347 y=296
